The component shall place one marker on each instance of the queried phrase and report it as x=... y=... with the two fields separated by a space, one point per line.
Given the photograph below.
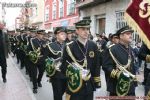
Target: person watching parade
x=36 y=65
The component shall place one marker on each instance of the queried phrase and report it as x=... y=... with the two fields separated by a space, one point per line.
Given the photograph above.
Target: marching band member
x=118 y=64
x=54 y=52
x=80 y=64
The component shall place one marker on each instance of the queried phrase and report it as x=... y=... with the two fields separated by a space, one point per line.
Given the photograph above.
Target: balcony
x=88 y=3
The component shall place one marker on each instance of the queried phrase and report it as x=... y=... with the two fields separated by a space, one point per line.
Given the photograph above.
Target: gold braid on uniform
x=32 y=44
x=17 y=40
x=148 y=58
x=77 y=62
x=35 y=54
x=22 y=37
x=52 y=50
x=74 y=59
x=27 y=40
x=97 y=81
x=116 y=72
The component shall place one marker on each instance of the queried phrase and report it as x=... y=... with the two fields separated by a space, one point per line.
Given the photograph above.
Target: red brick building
x=60 y=13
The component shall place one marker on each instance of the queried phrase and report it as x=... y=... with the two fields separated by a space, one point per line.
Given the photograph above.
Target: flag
x=137 y=16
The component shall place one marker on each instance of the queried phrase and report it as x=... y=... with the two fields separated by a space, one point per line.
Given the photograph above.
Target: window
x=120 y=22
x=70 y=7
x=61 y=8
x=47 y=13
x=54 y=9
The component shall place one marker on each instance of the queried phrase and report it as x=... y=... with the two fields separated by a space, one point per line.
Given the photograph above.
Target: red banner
x=138 y=17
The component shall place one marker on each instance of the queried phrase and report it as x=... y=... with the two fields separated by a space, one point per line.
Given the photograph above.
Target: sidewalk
x=16 y=87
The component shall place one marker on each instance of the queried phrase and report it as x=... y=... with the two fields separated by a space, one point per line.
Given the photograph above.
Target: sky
x=11 y=13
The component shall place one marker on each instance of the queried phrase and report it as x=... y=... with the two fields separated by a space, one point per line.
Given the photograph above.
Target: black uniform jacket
x=79 y=51
x=143 y=52
x=34 y=44
x=54 y=50
x=121 y=53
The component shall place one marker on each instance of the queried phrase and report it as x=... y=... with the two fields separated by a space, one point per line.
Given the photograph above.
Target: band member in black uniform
x=20 y=52
x=23 y=47
x=54 y=51
x=17 y=47
x=26 y=41
x=35 y=50
x=144 y=54
x=3 y=62
x=118 y=65
x=80 y=64
x=40 y=63
x=70 y=35
x=12 y=41
x=114 y=39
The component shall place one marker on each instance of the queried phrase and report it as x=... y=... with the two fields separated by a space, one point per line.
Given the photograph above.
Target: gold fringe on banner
x=136 y=27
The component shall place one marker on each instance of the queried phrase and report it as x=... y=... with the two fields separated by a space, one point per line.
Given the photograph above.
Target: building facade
x=107 y=15
x=2 y=17
x=60 y=13
x=27 y=16
x=37 y=17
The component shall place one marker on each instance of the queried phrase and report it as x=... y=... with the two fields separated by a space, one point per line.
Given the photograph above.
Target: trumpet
x=126 y=71
x=137 y=78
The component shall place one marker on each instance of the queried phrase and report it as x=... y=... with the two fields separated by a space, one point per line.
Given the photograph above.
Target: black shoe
x=34 y=91
x=4 y=80
x=27 y=73
x=30 y=79
x=39 y=85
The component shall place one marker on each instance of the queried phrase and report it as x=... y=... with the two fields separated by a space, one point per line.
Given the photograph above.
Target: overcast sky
x=12 y=12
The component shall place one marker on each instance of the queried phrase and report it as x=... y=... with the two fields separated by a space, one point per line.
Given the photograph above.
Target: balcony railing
x=86 y=3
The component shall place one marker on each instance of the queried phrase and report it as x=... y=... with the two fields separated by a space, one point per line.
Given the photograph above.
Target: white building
x=2 y=16
x=37 y=16
x=106 y=15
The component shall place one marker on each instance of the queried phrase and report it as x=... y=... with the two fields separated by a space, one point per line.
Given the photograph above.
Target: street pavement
x=19 y=87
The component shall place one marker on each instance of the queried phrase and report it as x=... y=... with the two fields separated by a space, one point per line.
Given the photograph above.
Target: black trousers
x=146 y=72
x=22 y=58
x=41 y=69
x=17 y=53
x=33 y=74
x=36 y=73
x=27 y=65
x=147 y=85
x=82 y=97
x=59 y=87
x=4 y=71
